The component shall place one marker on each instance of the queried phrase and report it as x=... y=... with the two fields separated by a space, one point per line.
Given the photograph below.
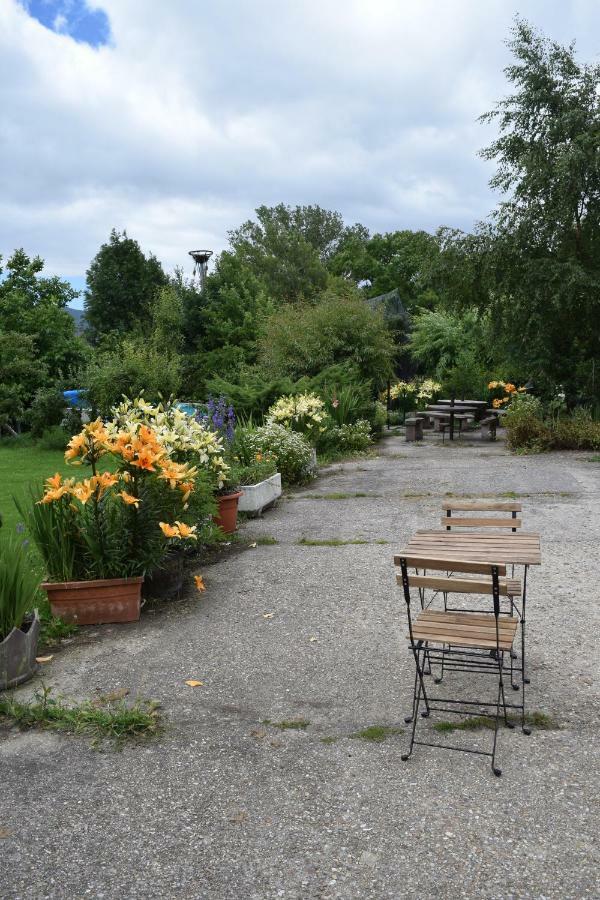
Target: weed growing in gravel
x=288 y=724
x=266 y=540
x=376 y=733
x=539 y=720
x=102 y=717
x=593 y=458
x=328 y=740
x=339 y=495
x=332 y=542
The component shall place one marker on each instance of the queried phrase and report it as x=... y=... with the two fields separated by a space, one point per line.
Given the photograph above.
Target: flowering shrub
x=291 y=451
x=304 y=413
x=183 y=436
x=350 y=438
x=428 y=390
x=114 y=523
x=262 y=466
x=502 y=392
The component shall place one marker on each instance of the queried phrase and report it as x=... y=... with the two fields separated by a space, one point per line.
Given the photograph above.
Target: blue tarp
x=76 y=398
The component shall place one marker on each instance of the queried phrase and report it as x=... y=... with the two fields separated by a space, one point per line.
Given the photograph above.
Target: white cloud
x=196 y=114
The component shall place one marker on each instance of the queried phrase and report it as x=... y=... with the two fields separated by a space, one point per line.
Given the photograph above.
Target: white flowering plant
x=291 y=450
x=186 y=439
x=304 y=413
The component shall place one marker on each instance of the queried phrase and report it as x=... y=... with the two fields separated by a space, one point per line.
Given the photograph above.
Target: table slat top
x=521 y=548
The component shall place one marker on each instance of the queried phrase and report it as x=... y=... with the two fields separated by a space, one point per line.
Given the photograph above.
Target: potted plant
x=99 y=536
x=227 y=498
x=19 y=621
x=256 y=472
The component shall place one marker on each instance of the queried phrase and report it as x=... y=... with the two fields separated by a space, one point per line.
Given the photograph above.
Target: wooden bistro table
x=522 y=548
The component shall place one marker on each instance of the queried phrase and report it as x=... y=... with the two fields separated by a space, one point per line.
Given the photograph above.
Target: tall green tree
x=39 y=345
x=535 y=265
x=381 y=263
x=121 y=285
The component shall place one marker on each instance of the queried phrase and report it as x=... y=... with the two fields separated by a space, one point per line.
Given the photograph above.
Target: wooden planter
x=96 y=602
x=226 y=517
x=18 y=651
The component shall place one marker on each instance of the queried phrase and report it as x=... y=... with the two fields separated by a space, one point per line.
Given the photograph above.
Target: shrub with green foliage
x=302 y=339
x=351 y=438
x=47 y=409
x=291 y=451
x=528 y=430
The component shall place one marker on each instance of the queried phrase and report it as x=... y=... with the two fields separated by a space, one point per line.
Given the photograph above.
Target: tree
x=39 y=344
x=288 y=248
x=536 y=264
x=121 y=285
x=399 y=260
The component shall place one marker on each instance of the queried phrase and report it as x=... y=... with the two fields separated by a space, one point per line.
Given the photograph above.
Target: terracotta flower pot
x=226 y=517
x=96 y=602
x=18 y=651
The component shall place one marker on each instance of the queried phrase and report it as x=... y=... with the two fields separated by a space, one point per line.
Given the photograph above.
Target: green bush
x=351 y=438
x=525 y=426
x=291 y=451
x=47 y=410
x=55 y=438
x=134 y=368
x=527 y=430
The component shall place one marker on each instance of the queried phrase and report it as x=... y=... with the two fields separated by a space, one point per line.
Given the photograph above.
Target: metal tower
x=200 y=258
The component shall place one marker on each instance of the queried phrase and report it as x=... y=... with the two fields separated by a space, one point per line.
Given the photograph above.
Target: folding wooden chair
x=474 y=506
x=466 y=642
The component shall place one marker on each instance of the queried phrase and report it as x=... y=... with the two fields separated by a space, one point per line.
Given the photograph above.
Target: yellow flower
x=168 y=530
x=509 y=388
x=129 y=499
x=496 y=403
x=200 y=586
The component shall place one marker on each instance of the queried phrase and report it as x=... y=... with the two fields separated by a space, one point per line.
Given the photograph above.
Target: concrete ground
x=225 y=806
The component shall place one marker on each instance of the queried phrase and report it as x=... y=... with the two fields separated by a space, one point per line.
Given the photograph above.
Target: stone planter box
x=257 y=497
x=18 y=651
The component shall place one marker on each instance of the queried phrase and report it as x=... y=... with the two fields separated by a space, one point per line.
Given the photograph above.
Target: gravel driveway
x=223 y=805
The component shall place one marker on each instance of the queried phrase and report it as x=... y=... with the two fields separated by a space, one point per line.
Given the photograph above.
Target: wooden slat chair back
x=466 y=641
x=509 y=509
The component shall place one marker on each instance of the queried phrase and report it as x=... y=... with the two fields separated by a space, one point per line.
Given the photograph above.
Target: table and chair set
x=465 y=590
x=453 y=416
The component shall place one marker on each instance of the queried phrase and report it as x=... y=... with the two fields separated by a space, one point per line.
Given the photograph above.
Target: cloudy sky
x=174 y=120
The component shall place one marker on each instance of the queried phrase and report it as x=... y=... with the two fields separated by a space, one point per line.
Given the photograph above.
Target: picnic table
x=521 y=548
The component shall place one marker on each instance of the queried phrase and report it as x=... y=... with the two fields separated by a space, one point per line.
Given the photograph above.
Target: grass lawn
x=20 y=466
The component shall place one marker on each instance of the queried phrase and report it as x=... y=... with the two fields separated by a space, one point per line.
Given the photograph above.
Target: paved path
x=223 y=806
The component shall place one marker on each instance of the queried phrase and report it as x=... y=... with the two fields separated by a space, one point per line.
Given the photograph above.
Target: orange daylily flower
x=83 y=490
x=129 y=499
x=168 y=530
x=145 y=460
x=186 y=489
x=509 y=388
x=187 y=531
x=77 y=446
x=54 y=482
x=200 y=586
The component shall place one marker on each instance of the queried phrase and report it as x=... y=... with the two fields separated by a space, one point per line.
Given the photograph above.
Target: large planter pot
x=226 y=517
x=166 y=583
x=257 y=497
x=96 y=602
x=18 y=651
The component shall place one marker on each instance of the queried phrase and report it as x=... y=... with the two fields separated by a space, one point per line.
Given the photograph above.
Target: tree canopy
x=121 y=285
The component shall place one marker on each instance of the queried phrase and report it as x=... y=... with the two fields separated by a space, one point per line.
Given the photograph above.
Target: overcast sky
x=174 y=120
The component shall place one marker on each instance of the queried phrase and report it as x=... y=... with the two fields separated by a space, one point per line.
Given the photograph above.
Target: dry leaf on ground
x=44 y=659
x=193 y=683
